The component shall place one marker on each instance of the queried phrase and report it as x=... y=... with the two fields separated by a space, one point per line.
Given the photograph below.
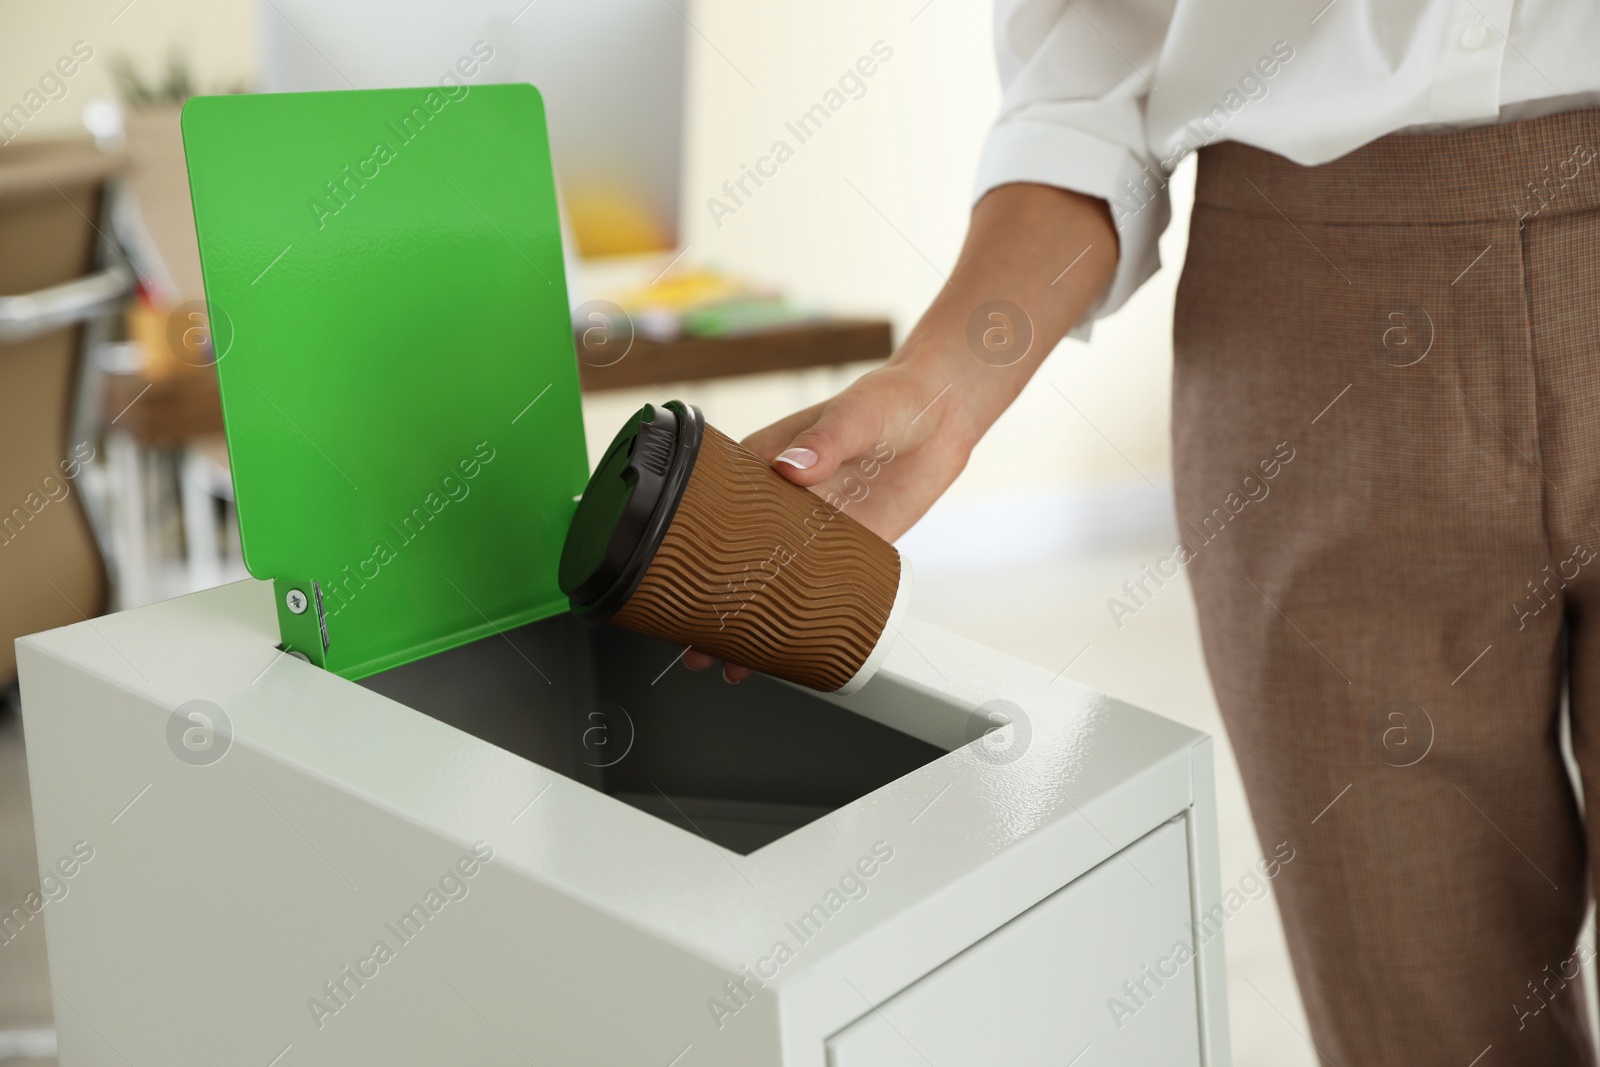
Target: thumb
x=850 y=424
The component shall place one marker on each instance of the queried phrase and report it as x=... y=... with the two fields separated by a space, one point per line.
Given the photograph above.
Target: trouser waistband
x=1517 y=170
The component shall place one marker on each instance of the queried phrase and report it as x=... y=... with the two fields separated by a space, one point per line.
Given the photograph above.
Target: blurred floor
x=24 y=992
x=1050 y=613
x=1044 y=613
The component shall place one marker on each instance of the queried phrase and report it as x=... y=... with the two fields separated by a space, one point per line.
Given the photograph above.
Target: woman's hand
x=889 y=446
x=880 y=451
x=883 y=450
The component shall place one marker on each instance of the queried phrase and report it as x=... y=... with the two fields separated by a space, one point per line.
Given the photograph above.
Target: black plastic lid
x=627 y=507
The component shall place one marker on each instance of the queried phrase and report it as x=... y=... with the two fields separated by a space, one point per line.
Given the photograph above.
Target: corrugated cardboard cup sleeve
x=758 y=571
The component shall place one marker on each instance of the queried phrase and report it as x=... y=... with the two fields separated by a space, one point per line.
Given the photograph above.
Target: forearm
x=1047 y=251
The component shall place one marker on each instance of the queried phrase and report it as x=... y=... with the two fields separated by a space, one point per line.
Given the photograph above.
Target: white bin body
x=464 y=871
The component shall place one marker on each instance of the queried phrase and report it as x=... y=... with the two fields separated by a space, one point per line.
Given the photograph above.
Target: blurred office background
x=114 y=484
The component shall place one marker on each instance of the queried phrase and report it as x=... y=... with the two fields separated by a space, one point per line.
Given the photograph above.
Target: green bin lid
x=389 y=316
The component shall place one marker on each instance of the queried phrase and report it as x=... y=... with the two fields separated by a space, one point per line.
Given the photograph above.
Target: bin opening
x=741 y=765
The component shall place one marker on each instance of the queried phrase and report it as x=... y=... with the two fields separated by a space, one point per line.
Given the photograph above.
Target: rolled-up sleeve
x=1076 y=76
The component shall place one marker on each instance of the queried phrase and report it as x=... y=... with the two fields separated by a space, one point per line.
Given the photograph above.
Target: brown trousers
x=1387 y=445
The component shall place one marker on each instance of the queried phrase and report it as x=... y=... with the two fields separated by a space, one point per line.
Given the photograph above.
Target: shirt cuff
x=1022 y=149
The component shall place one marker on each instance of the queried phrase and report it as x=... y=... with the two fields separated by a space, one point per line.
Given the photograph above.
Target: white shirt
x=1105 y=97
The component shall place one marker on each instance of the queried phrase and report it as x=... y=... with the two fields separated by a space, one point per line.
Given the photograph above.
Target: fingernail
x=730 y=681
x=798 y=458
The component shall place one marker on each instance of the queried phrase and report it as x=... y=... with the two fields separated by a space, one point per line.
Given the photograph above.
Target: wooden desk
x=187 y=405
x=170 y=411
x=813 y=344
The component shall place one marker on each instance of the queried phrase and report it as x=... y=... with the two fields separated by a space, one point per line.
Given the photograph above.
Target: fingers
x=732 y=673
x=848 y=425
x=768 y=442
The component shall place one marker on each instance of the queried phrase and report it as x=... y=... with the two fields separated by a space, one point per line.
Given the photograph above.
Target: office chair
x=60 y=277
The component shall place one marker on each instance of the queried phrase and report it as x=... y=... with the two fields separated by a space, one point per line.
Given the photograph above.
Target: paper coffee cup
x=686 y=535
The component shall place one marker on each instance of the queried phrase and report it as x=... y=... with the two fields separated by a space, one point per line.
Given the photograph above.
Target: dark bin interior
x=741 y=765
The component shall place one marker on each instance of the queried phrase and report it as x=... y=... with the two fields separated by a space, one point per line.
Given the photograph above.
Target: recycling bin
x=554 y=846
x=393 y=802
